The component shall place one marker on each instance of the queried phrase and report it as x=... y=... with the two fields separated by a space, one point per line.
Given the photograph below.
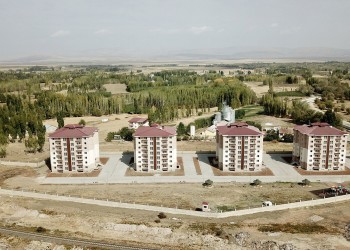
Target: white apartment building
x=74 y=148
x=319 y=146
x=239 y=147
x=155 y=149
x=138 y=122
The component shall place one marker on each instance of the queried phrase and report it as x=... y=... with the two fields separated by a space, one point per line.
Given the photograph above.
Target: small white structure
x=136 y=122
x=205 y=207
x=267 y=204
x=270 y=126
x=50 y=128
x=192 y=130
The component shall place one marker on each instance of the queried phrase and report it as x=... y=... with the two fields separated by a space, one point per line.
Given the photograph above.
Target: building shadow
x=48 y=163
x=285 y=158
x=127 y=159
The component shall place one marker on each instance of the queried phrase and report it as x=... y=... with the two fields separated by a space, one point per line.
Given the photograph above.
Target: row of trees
x=21 y=120
x=161 y=104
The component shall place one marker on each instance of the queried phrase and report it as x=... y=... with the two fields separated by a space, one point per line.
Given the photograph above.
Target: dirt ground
x=261 y=89
x=139 y=228
x=343 y=114
x=184 y=195
x=116 y=88
x=270 y=146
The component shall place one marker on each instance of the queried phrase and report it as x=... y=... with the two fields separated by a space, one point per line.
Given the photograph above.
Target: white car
x=267 y=204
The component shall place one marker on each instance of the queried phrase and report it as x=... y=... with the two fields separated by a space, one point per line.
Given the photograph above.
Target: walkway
x=107 y=203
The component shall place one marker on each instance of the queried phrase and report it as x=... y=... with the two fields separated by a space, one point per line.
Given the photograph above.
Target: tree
x=289 y=80
x=41 y=137
x=255 y=124
x=332 y=118
x=31 y=144
x=240 y=113
x=181 y=129
x=287 y=138
x=110 y=136
x=3 y=152
x=82 y=122
x=60 y=120
x=271 y=135
x=126 y=133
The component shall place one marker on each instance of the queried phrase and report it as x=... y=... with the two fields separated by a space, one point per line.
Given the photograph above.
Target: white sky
x=63 y=27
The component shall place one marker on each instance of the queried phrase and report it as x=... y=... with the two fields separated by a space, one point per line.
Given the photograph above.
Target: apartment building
x=138 y=122
x=74 y=148
x=319 y=146
x=239 y=147
x=155 y=148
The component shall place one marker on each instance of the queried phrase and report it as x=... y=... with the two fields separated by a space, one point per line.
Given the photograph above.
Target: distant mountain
x=230 y=53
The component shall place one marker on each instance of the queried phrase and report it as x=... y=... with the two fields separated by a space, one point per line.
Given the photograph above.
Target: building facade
x=239 y=147
x=136 y=122
x=319 y=147
x=155 y=149
x=74 y=148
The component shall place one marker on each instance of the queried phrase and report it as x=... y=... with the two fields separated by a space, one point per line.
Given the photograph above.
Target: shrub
x=161 y=215
x=208 y=183
x=257 y=182
x=82 y=122
x=3 y=152
x=110 y=136
x=157 y=220
x=305 y=182
x=41 y=230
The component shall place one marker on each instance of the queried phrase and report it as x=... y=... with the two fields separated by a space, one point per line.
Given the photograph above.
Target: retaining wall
x=22 y=164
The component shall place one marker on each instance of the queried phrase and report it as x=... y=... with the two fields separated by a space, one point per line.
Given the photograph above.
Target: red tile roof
x=138 y=119
x=238 y=129
x=159 y=131
x=73 y=131
x=319 y=129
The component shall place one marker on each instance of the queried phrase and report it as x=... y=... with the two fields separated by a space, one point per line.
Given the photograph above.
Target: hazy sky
x=63 y=27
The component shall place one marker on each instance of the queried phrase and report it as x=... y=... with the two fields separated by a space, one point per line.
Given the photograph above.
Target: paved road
x=279 y=167
x=205 y=165
x=190 y=170
x=65 y=241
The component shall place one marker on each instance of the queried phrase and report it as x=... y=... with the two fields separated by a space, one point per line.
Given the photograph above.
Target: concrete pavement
x=114 y=170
